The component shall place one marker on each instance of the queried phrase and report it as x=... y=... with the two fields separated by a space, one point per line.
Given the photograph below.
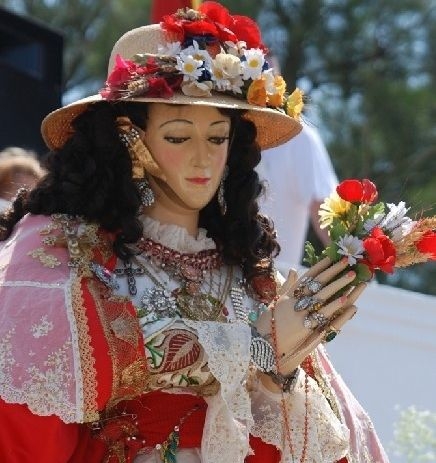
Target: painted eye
x=218 y=140
x=176 y=140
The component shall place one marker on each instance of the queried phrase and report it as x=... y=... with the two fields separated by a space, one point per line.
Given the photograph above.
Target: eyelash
x=180 y=140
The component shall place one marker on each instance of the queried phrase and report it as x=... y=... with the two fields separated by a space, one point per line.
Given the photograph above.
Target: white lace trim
x=228 y=415
x=175 y=237
x=327 y=438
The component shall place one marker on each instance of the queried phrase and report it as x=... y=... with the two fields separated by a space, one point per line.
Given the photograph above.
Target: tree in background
x=415 y=436
x=368 y=68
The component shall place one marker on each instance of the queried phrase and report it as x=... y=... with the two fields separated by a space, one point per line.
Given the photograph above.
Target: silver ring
x=314 y=286
x=304 y=303
x=315 y=320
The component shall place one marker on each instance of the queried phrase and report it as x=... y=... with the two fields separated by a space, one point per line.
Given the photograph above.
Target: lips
x=199 y=180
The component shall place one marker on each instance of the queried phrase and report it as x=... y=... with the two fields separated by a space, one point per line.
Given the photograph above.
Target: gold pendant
x=199 y=307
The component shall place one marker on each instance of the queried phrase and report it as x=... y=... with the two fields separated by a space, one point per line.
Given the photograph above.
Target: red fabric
x=263 y=453
x=27 y=438
x=160 y=8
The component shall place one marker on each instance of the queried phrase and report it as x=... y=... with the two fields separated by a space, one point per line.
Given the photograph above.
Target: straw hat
x=167 y=63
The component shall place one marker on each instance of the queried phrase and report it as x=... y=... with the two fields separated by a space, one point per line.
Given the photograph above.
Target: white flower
x=351 y=247
x=252 y=67
x=236 y=84
x=269 y=81
x=228 y=66
x=374 y=222
x=194 y=51
x=189 y=67
x=170 y=49
x=396 y=216
x=404 y=229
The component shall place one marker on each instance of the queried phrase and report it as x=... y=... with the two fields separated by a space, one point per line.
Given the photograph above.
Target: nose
x=202 y=154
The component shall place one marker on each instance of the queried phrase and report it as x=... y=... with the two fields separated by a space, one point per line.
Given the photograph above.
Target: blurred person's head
x=19 y=168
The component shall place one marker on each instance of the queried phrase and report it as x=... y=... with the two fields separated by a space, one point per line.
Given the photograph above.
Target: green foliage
x=415 y=435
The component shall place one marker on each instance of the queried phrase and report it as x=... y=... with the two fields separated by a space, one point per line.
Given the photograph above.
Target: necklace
x=190 y=267
x=205 y=303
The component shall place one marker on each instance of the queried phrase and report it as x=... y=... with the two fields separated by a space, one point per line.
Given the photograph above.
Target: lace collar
x=175 y=237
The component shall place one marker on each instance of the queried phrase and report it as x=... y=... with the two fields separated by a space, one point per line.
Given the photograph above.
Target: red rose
x=122 y=71
x=427 y=244
x=380 y=252
x=357 y=191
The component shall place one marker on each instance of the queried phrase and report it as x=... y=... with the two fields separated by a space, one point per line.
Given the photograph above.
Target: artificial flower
x=380 y=251
x=275 y=94
x=213 y=50
x=194 y=51
x=332 y=207
x=122 y=72
x=190 y=68
x=396 y=216
x=294 y=103
x=350 y=247
x=427 y=244
x=357 y=191
x=372 y=236
x=256 y=93
x=253 y=64
x=228 y=66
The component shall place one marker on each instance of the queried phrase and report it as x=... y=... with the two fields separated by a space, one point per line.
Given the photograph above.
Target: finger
x=332 y=288
x=355 y=293
x=329 y=273
x=318 y=268
x=338 y=322
x=289 y=282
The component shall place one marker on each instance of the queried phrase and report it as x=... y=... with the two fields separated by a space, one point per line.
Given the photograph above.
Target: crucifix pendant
x=130 y=272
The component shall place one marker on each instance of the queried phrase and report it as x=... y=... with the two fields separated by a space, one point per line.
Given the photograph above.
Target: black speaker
x=30 y=79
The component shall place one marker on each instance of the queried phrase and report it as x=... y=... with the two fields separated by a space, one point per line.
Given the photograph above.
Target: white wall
x=387 y=355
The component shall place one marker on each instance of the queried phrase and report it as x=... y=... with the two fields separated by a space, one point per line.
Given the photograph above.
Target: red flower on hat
x=248 y=31
x=380 y=251
x=357 y=191
x=427 y=244
x=122 y=71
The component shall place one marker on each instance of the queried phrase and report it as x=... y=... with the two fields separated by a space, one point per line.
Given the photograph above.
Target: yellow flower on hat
x=276 y=97
x=256 y=93
x=294 y=103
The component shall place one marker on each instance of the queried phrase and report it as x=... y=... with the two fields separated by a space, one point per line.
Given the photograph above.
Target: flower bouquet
x=372 y=235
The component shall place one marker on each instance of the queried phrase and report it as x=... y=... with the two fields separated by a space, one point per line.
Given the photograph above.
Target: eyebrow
x=189 y=122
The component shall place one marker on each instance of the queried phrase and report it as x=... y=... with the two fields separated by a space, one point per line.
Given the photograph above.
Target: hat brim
x=274 y=127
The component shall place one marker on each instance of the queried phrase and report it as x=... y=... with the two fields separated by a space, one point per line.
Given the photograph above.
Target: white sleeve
x=317 y=178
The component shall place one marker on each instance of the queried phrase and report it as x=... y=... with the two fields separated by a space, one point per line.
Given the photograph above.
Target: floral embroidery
x=42 y=328
x=47 y=260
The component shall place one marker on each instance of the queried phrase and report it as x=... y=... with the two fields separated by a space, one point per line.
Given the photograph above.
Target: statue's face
x=190 y=145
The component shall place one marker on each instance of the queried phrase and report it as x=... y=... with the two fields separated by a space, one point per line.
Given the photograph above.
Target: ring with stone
x=331 y=333
x=299 y=290
x=314 y=286
x=315 y=304
x=315 y=320
x=304 y=303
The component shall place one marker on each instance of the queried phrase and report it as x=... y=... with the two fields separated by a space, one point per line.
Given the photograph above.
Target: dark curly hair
x=91 y=176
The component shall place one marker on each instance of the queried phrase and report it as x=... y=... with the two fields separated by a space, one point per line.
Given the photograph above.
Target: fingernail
x=343 y=299
x=351 y=274
x=344 y=260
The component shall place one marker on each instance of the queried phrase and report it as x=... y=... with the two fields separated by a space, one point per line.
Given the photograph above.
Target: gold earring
x=142 y=160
